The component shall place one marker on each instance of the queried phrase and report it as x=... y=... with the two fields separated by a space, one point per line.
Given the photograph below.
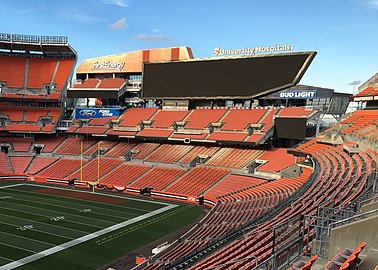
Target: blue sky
x=343 y=32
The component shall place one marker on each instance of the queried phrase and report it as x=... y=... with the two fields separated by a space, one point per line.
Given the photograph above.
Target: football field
x=49 y=227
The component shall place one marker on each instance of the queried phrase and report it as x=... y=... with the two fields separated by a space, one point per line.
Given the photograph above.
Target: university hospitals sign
x=253 y=50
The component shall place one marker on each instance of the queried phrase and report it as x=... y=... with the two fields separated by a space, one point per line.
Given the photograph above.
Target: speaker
x=200 y=200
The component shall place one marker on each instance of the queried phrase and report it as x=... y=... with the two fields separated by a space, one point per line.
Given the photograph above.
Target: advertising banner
x=86 y=113
x=298 y=94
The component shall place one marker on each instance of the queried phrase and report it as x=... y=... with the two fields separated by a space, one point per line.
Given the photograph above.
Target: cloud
x=152 y=37
x=25 y=11
x=373 y=4
x=120 y=3
x=78 y=15
x=354 y=83
x=155 y=30
x=118 y=25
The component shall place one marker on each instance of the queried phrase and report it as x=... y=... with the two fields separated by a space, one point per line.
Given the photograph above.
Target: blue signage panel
x=298 y=94
x=85 y=113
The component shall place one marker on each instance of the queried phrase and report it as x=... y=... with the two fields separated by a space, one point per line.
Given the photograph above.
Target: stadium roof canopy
x=132 y=62
x=18 y=43
x=368 y=91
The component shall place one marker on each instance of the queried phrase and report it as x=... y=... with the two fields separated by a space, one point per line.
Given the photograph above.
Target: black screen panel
x=290 y=128
x=243 y=77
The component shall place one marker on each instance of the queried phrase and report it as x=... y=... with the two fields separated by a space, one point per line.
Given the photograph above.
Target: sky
x=344 y=33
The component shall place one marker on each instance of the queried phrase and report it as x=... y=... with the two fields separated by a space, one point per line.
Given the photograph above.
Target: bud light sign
x=298 y=94
x=85 y=113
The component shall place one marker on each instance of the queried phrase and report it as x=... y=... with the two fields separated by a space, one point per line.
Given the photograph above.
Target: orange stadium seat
x=295 y=112
x=88 y=83
x=40 y=72
x=169 y=153
x=201 y=118
x=132 y=117
x=123 y=175
x=4 y=168
x=39 y=163
x=165 y=119
x=199 y=151
x=61 y=168
x=277 y=160
x=65 y=67
x=158 y=178
x=234 y=157
x=12 y=71
x=239 y=119
x=112 y=83
x=90 y=170
x=193 y=183
x=20 y=163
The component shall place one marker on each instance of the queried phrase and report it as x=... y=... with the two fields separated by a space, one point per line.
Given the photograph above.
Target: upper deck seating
x=295 y=112
x=40 y=72
x=239 y=119
x=12 y=70
x=234 y=157
x=201 y=118
x=169 y=153
x=112 y=83
x=204 y=151
x=88 y=83
x=65 y=67
x=165 y=119
x=132 y=117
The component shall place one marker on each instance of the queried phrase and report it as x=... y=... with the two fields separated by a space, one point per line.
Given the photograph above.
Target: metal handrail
x=351 y=219
x=235 y=261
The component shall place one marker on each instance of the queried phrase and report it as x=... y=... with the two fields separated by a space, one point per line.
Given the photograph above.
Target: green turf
x=25 y=207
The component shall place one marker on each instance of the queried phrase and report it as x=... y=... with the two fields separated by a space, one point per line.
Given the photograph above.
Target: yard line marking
x=7 y=259
x=75 y=203
x=141 y=225
x=20 y=248
x=45 y=232
x=14 y=185
x=77 y=222
x=27 y=238
x=109 y=195
x=82 y=239
x=96 y=202
x=35 y=221
x=58 y=212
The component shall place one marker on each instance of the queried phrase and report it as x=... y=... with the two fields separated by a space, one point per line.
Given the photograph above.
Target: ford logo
x=87 y=113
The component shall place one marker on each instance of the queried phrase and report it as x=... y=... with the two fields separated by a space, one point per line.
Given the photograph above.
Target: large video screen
x=290 y=128
x=232 y=78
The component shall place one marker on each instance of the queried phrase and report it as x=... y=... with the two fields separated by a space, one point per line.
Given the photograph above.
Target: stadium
x=155 y=159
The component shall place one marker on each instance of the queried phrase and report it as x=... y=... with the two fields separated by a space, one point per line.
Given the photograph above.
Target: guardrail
x=358 y=217
x=33 y=38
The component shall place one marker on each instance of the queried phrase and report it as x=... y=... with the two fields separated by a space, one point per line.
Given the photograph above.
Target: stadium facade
x=202 y=132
